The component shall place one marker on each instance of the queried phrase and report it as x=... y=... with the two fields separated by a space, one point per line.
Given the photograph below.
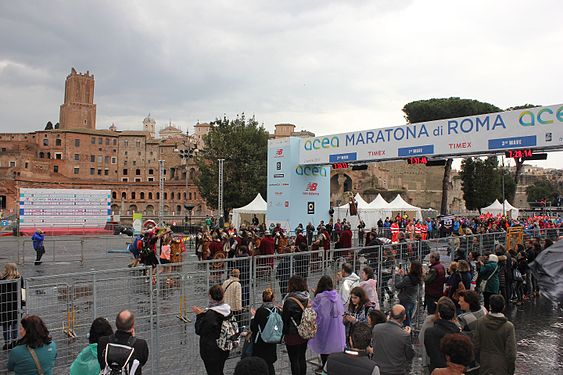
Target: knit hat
x=493 y=258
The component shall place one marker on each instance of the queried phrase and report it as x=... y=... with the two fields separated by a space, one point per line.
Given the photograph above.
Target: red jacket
x=267 y=246
x=345 y=240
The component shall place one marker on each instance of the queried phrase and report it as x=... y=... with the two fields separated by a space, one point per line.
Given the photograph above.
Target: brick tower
x=78 y=110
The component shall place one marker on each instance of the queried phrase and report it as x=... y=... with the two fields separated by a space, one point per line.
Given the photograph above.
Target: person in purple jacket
x=330 y=336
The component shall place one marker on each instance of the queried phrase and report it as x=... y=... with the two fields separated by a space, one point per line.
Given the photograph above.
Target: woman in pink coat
x=369 y=284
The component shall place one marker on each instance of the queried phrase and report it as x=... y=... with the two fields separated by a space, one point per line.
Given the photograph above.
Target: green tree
x=519 y=162
x=443 y=108
x=542 y=190
x=467 y=175
x=482 y=182
x=243 y=143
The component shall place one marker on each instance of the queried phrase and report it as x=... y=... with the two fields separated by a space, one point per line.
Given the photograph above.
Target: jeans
x=297 y=358
x=409 y=309
x=10 y=331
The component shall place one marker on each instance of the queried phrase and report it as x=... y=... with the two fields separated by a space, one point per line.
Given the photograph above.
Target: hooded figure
x=330 y=336
x=208 y=327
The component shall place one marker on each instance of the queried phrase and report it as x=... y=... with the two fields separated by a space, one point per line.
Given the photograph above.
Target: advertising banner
x=536 y=128
x=296 y=194
x=64 y=208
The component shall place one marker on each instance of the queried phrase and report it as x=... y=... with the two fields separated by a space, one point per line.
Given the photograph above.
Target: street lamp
x=189 y=207
x=186 y=154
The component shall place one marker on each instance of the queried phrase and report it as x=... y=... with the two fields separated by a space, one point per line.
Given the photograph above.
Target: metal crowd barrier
x=162 y=298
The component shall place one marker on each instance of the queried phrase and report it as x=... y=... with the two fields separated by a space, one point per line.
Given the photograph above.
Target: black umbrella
x=548 y=270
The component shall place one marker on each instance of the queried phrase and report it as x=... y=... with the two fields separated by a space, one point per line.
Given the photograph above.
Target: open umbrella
x=548 y=270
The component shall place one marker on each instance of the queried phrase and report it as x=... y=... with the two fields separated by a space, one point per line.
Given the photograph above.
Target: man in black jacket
x=125 y=335
x=433 y=335
x=354 y=360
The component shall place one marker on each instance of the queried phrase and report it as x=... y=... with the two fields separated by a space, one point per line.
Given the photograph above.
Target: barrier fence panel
x=162 y=298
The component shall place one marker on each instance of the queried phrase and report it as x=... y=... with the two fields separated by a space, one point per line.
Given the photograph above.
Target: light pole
x=186 y=155
x=220 y=190
x=502 y=182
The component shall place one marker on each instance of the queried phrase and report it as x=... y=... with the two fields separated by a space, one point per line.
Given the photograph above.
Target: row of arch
x=149 y=195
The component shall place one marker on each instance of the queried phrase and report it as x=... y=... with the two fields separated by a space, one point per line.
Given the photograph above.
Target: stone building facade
x=77 y=155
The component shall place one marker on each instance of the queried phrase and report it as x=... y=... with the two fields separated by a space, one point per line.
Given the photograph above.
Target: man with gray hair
x=392 y=345
x=434 y=283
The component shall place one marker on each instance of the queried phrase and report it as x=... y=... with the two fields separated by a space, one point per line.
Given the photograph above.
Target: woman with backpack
x=409 y=286
x=294 y=305
x=209 y=327
x=264 y=327
x=331 y=337
x=358 y=310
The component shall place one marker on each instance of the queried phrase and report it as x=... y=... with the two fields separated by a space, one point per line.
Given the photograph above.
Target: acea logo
x=305 y=170
x=544 y=116
x=322 y=142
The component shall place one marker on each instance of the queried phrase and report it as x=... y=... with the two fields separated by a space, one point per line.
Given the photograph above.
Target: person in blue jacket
x=38 y=238
x=35 y=341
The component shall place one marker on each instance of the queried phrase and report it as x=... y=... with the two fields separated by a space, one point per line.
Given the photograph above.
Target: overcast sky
x=325 y=66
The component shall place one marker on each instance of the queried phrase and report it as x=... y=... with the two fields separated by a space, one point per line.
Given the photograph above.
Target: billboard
x=539 y=128
x=64 y=208
x=296 y=194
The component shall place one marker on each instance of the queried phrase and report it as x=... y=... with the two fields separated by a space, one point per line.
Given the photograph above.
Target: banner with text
x=536 y=128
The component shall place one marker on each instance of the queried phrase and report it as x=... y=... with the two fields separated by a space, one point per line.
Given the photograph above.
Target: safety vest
x=394 y=232
x=424 y=231
x=417 y=229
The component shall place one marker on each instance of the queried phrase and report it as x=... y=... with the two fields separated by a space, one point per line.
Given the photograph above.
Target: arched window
x=165 y=195
x=157 y=195
x=123 y=195
x=133 y=195
x=41 y=155
x=113 y=195
x=142 y=195
x=150 y=194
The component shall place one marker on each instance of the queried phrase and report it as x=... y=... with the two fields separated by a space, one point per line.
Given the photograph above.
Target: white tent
x=379 y=202
x=368 y=212
x=244 y=214
x=494 y=208
x=399 y=206
x=381 y=207
x=514 y=212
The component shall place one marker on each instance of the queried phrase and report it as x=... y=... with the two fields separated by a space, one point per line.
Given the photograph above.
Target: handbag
x=483 y=283
x=517 y=275
x=247 y=347
x=36 y=361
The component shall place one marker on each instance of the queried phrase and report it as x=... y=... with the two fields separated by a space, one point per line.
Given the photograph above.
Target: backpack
x=272 y=333
x=307 y=329
x=229 y=335
x=117 y=356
